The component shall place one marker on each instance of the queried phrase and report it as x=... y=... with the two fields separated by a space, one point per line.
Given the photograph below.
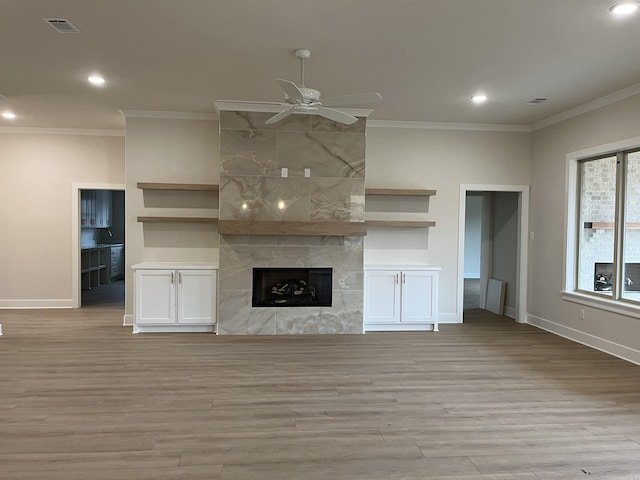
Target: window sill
x=613 y=306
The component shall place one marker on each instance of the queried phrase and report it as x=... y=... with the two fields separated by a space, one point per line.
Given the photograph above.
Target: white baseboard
x=612 y=348
x=173 y=329
x=449 y=318
x=127 y=320
x=397 y=327
x=36 y=303
x=510 y=312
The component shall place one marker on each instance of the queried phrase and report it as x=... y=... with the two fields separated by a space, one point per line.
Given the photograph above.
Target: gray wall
x=37 y=173
x=472 y=236
x=551 y=145
x=504 y=254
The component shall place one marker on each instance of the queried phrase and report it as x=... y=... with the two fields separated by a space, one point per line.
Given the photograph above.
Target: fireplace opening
x=603 y=277
x=292 y=287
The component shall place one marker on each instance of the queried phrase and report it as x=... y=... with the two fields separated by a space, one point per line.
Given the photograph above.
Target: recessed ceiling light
x=624 y=8
x=96 y=80
x=480 y=98
x=8 y=115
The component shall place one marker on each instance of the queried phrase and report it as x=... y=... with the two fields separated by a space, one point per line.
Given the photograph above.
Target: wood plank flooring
x=83 y=398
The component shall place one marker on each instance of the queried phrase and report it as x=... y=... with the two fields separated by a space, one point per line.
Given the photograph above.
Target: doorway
x=98 y=245
x=493 y=245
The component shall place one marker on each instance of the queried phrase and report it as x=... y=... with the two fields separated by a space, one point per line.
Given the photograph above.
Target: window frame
x=615 y=303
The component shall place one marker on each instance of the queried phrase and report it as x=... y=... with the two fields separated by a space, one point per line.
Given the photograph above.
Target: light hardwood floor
x=82 y=398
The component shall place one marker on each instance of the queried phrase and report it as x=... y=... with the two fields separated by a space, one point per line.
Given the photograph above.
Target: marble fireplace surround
x=267 y=220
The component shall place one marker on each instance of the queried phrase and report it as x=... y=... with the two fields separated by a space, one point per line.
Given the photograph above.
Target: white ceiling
x=426 y=57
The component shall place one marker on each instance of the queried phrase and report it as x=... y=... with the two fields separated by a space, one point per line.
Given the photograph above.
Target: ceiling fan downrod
x=302 y=54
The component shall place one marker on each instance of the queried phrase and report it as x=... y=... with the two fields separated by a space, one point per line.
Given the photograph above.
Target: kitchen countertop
x=103 y=245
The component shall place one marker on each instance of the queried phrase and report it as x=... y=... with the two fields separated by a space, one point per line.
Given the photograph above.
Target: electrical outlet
x=307 y=172
x=284 y=172
x=581 y=314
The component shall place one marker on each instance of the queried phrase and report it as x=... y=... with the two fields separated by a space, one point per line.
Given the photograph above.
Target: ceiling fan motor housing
x=310 y=95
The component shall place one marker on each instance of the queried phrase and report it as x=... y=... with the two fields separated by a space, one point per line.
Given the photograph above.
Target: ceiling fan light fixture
x=624 y=8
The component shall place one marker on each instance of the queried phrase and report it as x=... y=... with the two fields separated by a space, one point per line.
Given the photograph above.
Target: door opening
x=493 y=236
x=99 y=245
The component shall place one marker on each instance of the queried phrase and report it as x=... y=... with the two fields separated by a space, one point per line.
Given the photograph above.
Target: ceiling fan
x=303 y=100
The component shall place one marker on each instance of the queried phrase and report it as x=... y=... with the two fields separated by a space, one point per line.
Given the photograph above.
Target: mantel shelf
x=400 y=223
x=252 y=227
x=400 y=192
x=179 y=186
x=177 y=219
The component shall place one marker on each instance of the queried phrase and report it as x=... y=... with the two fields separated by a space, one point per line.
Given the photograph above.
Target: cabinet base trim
x=173 y=329
x=394 y=327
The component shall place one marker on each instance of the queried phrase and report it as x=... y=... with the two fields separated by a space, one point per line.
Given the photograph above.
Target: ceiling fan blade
x=279 y=116
x=291 y=90
x=348 y=100
x=251 y=102
x=336 y=115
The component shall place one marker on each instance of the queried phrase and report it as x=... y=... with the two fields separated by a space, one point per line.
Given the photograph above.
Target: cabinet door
x=83 y=208
x=197 y=296
x=117 y=263
x=155 y=297
x=419 y=296
x=99 y=212
x=105 y=208
x=382 y=296
x=91 y=208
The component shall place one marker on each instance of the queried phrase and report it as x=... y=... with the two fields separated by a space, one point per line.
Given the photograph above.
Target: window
x=608 y=226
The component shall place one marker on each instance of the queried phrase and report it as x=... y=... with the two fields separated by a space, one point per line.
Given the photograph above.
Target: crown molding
x=589 y=106
x=239 y=106
x=63 y=131
x=486 y=127
x=168 y=115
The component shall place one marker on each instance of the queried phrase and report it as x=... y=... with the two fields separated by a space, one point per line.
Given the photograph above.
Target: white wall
x=171 y=151
x=615 y=122
x=504 y=244
x=36 y=176
x=443 y=160
x=472 y=236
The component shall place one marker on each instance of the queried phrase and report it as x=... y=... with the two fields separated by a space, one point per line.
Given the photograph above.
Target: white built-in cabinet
x=400 y=298
x=174 y=297
x=95 y=208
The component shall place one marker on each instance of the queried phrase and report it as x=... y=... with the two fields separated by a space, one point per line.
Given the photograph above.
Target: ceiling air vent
x=62 y=25
x=536 y=101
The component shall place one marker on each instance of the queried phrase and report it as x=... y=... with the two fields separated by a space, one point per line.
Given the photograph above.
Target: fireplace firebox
x=292 y=287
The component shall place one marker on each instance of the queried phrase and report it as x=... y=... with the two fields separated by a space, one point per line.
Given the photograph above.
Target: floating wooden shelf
x=252 y=227
x=399 y=192
x=610 y=225
x=178 y=219
x=400 y=223
x=179 y=186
